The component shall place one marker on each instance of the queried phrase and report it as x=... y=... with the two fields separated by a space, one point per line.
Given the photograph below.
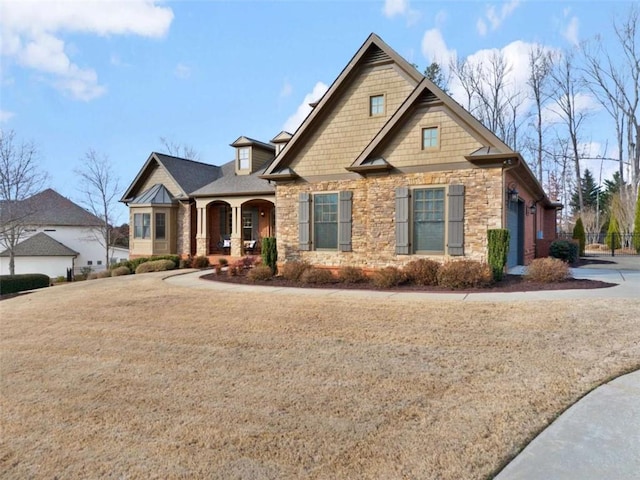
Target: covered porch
x=233 y=226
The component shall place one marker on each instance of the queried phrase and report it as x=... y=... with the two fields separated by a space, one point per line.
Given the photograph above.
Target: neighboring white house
x=60 y=235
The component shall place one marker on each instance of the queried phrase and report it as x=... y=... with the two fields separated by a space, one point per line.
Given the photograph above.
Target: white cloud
x=287 y=89
x=571 y=31
x=393 y=8
x=516 y=56
x=182 y=71
x=495 y=17
x=295 y=120
x=441 y=17
x=5 y=116
x=481 y=26
x=435 y=49
x=32 y=33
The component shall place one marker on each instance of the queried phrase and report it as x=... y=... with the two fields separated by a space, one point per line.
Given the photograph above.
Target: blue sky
x=115 y=76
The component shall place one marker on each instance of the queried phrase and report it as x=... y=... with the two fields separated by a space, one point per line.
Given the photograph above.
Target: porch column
x=236 y=230
x=202 y=236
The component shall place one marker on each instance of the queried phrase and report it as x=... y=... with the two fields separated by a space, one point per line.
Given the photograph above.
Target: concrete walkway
x=596 y=438
x=628 y=286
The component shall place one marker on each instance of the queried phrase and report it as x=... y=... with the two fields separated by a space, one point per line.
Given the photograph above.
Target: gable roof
x=231 y=184
x=41 y=245
x=372 y=51
x=243 y=141
x=427 y=92
x=50 y=208
x=188 y=175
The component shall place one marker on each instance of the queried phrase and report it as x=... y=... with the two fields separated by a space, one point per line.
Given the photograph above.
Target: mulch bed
x=510 y=283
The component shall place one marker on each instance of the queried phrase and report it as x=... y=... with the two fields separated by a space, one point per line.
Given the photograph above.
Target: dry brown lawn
x=130 y=377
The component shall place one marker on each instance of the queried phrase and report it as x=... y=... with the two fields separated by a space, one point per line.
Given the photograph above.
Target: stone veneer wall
x=183 y=242
x=373 y=216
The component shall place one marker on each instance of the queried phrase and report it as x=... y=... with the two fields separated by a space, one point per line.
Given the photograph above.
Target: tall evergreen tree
x=434 y=73
x=611 y=187
x=590 y=193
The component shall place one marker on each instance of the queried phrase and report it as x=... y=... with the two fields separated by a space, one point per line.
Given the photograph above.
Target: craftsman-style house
x=385 y=169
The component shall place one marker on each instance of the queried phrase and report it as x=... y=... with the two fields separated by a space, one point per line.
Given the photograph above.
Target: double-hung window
x=376 y=105
x=142 y=225
x=243 y=158
x=428 y=220
x=161 y=226
x=325 y=221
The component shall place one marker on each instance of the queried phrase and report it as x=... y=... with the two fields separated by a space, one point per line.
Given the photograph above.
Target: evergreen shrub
x=565 y=250
x=22 y=282
x=270 y=254
x=498 y=240
x=579 y=235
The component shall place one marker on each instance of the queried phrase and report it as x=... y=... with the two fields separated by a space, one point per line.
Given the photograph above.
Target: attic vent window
x=243 y=158
x=376 y=105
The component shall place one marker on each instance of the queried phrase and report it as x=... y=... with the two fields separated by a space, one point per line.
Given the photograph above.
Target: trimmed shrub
x=200 y=262
x=245 y=262
x=465 y=274
x=293 y=270
x=564 y=250
x=579 y=235
x=23 y=282
x=270 y=253
x=223 y=262
x=104 y=274
x=422 y=271
x=260 y=273
x=133 y=264
x=155 y=266
x=547 y=270
x=352 y=275
x=117 y=272
x=319 y=276
x=232 y=271
x=498 y=240
x=389 y=277
x=613 y=234
x=185 y=262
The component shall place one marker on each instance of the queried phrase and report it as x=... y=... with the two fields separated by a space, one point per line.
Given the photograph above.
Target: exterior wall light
x=512 y=192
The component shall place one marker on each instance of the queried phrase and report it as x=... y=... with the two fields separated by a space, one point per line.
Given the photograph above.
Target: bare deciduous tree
x=567 y=88
x=20 y=178
x=181 y=150
x=99 y=187
x=617 y=86
x=540 y=64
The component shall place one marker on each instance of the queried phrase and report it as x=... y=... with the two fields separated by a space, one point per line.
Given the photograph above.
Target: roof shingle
x=41 y=245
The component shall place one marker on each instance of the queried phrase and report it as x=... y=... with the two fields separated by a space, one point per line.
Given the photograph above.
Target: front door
x=515 y=225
